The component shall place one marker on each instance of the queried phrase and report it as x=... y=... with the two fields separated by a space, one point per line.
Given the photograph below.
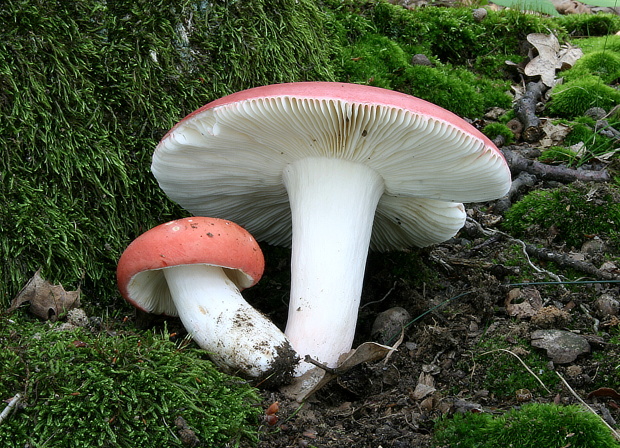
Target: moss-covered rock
x=88 y=88
x=605 y=64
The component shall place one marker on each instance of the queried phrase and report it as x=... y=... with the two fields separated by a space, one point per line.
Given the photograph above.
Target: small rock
x=606 y=305
x=421 y=59
x=479 y=14
x=465 y=407
x=595 y=112
x=593 y=246
x=389 y=324
x=562 y=346
x=77 y=317
x=494 y=113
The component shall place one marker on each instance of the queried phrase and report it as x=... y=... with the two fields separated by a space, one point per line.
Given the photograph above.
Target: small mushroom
x=331 y=169
x=194 y=268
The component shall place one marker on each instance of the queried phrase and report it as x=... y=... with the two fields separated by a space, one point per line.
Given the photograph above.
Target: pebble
x=561 y=346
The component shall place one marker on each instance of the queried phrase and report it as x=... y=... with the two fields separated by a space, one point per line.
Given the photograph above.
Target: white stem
x=221 y=322
x=333 y=204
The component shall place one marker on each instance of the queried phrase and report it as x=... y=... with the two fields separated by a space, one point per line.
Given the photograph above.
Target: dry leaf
x=604 y=392
x=545 y=63
x=551 y=57
x=523 y=303
x=47 y=301
x=554 y=133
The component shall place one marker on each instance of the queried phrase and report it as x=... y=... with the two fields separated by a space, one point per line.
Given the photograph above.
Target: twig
x=382 y=299
x=487 y=232
x=613 y=431
x=525 y=110
x=321 y=365
x=518 y=163
x=565 y=261
x=11 y=405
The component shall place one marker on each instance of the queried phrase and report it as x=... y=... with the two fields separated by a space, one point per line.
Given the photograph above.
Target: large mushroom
x=194 y=268
x=313 y=165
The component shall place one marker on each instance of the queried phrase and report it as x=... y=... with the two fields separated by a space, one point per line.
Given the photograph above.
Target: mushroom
x=313 y=165
x=194 y=268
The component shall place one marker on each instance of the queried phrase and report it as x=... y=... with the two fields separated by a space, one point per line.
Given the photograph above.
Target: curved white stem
x=221 y=322
x=333 y=204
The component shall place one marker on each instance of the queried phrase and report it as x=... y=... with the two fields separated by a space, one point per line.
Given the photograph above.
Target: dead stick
x=525 y=110
x=518 y=163
x=11 y=405
x=567 y=262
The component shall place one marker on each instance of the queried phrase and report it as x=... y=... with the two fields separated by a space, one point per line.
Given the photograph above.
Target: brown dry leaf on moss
x=551 y=57
x=47 y=301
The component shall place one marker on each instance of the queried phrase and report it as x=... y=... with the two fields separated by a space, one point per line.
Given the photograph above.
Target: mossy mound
x=87 y=90
x=605 y=64
x=603 y=43
x=84 y=389
x=579 y=25
x=575 y=212
x=532 y=426
x=453 y=36
x=574 y=98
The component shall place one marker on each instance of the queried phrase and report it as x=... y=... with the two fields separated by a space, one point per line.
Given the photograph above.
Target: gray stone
x=562 y=346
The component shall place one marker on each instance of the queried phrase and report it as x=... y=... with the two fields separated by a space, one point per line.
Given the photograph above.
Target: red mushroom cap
x=195 y=240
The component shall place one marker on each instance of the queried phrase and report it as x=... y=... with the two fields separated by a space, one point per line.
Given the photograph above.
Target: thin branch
x=7 y=410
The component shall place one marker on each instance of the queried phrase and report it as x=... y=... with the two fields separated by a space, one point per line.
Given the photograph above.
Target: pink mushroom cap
x=188 y=241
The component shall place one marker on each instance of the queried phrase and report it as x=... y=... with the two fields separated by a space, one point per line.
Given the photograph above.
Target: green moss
x=86 y=91
x=576 y=212
x=575 y=97
x=590 y=24
x=493 y=130
x=82 y=389
x=454 y=37
x=604 y=43
x=504 y=374
x=533 y=425
x=379 y=61
x=604 y=64
x=374 y=60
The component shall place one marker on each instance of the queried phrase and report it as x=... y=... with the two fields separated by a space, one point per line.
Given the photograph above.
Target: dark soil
x=468 y=279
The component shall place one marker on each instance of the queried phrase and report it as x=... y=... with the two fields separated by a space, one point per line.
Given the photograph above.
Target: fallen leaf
x=554 y=133
x=604 y=392
x=47 y=301
x=551 y=57
x=523 y=303
x=545 y=64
